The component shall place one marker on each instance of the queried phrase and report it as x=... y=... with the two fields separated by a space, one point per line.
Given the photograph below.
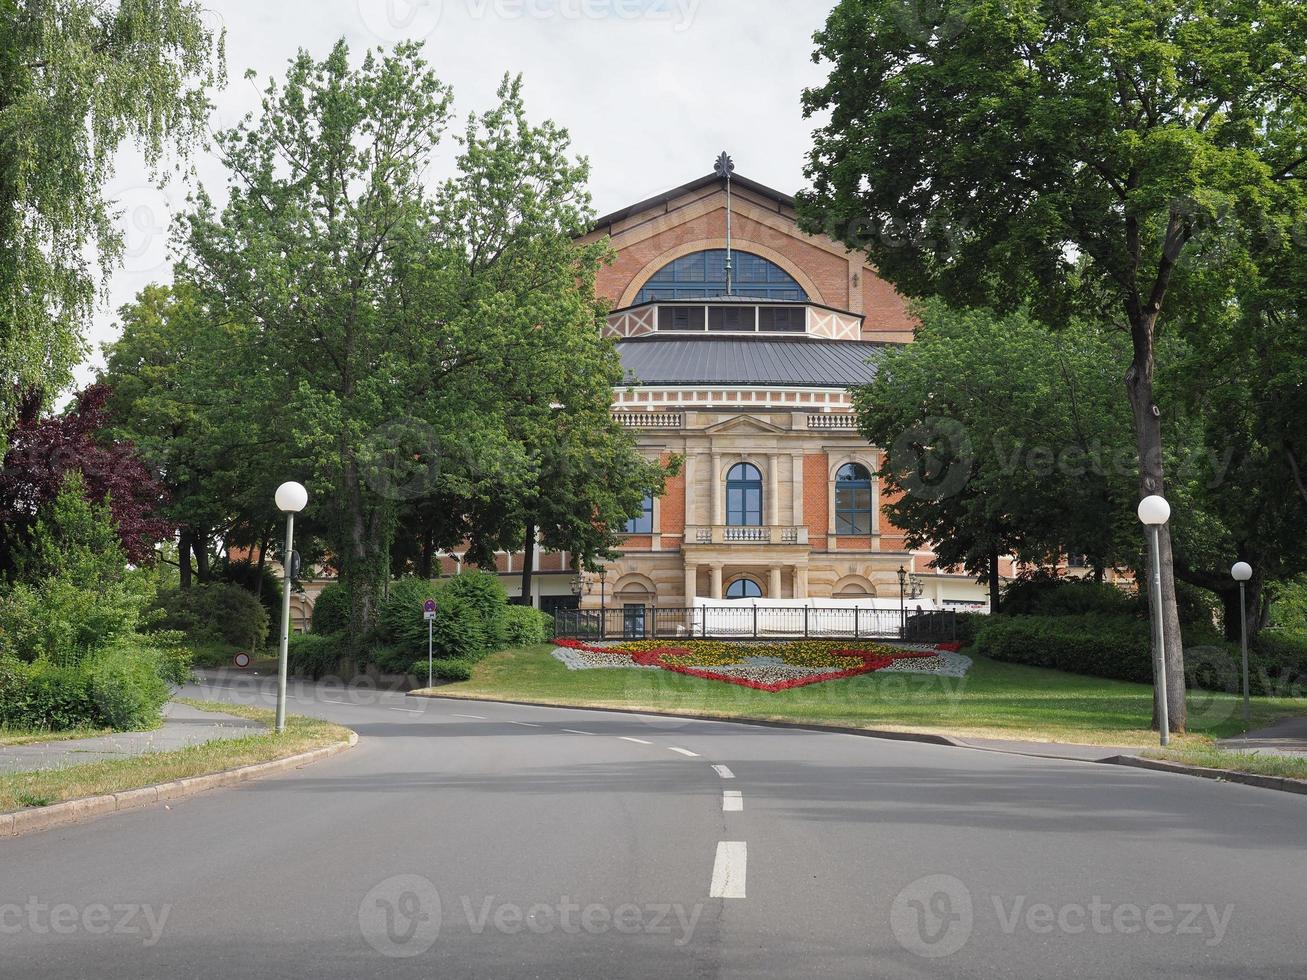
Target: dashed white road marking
x=729 y=869
x=524 y=724
x=637 y=741
x=572 y=731
x=686 y=752
x=724 y=772
x=732 y=801
x=409 y=711
x=473 y=717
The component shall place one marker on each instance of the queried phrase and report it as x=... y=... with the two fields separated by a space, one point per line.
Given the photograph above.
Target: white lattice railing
x=747 y=535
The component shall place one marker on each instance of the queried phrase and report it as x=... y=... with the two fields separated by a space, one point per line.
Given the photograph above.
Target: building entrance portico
x=712 y=578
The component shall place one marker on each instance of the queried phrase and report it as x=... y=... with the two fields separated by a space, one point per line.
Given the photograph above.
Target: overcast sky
x=651 y=90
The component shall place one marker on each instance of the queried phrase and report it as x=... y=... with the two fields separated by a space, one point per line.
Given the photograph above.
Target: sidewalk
x=1288 y=737
x=183 y=726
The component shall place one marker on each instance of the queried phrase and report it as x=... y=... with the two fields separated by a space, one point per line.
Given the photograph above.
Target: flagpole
x=725 y=167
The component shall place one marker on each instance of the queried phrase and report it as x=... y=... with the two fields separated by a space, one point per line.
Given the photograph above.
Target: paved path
x=501 y=841
x=182 y=726
x=1288 y=737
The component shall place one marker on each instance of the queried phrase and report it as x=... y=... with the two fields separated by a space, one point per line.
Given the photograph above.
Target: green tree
x=1003 y=439
x=77 y=79
x=1096 y=152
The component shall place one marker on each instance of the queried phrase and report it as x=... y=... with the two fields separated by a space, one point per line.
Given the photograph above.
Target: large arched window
x=744 y=496
x=702 y=275
x=853 y=500
x=744 y=588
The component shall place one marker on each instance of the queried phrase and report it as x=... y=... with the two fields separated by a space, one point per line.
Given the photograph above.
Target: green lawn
x=996 y=700
x=45 y=787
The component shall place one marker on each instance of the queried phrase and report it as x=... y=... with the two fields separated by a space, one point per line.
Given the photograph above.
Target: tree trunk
x=263 y=561
x=427 y=560
x=995 y=583
x=1148 y=435
x=184 y=557
x=200 y=545
x=528 y=565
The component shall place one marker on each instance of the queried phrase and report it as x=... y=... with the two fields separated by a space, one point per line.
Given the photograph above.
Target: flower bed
x=771 y=666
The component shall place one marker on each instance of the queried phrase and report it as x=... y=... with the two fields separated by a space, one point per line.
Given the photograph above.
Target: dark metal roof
x=782 y=199
x=797 y=362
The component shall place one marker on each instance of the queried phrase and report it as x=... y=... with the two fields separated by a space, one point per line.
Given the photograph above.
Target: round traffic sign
x=242 y=660
x=430 y=605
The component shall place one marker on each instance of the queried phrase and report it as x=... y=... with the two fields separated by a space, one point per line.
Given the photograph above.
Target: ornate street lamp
x=903 y=601
x=1243 y=573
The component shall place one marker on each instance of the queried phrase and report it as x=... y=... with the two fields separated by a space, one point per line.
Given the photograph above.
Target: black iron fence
x=755 y=623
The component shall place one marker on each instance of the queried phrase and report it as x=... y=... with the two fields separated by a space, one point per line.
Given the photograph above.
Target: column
x=774 y=583
x=717 y=591
x=773 y=490
x=798 y=491
x=691 y=584
x=800 y=581
x=717 y=489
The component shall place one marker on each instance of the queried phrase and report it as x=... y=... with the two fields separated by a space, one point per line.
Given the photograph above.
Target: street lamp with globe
x=1243 y=573
x=291 y=498
x=1153 y=513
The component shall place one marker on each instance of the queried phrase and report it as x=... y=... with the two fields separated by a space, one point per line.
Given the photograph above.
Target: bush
x=313 y=655
x=247 y=575
x=63 y=620
x=485 y=594
x=1116 y=647
x=399 y=618
x=524 y=626
x=219 y=611
x=459 y=633
x=445 y=670
x=1048 y=596
x=124 y=688
x=331 y=610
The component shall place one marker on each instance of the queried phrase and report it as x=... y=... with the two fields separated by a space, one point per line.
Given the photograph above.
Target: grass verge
x=49 y=786
x=1209 y=757
x=996 y=700
x=10 y=736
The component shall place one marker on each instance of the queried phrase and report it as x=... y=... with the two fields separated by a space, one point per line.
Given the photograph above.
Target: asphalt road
x=484 y=840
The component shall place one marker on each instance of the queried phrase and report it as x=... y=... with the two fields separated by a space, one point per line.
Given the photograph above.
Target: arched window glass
x=744 y=496
x=853 y=500
x=702 y=275
x=744 y=588
x=644 y=523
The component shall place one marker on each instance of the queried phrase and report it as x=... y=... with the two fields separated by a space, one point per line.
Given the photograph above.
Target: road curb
x=36 y=819
x=1281 y=784
x=758 y=722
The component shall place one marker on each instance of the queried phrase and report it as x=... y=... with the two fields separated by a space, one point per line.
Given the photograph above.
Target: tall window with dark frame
x=854 y=508
x=744 y=496
x=644 y=523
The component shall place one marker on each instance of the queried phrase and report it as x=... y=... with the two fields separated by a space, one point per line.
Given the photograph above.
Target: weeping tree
x=1086 y=154
x=78 y=78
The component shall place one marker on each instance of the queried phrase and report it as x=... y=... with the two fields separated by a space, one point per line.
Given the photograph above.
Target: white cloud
x=651 y=90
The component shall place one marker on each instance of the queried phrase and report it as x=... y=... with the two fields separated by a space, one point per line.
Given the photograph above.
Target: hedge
x=331 y=610
x=1102 y=646
x=214 y=612
x=314 y=655
x=485 y=594
x=524 y=626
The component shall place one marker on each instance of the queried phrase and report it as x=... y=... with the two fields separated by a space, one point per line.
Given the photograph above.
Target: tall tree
x=77 y=79
x=1003 y=439
x=1018 y=152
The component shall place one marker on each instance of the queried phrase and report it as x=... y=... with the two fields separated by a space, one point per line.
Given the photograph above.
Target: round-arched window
x=744 y=588
x=702 y=275
x=744 y=496
x=853 y=500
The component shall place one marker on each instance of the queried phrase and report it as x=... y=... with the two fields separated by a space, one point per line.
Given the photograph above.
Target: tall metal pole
x=285 y=623
x=1159 y=640
x=730 y=277
x=1243 y=634
x=431 y=656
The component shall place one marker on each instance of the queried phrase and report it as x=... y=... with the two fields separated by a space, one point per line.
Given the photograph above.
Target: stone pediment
x=745 y=425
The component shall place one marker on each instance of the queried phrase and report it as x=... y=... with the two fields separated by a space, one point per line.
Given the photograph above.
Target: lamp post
x=1243 y=573
x=291 y=499
x=903 y=600
x=603 y=602
x=1153 y=513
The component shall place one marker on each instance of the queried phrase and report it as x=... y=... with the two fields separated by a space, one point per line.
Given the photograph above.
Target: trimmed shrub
x=524 y=626
x=446 y=670
x=459 y=633
x=44 y=696
x=1116 y=647
x=126 y=688
x=1047 y=596
x=399 y=617
x=331 y=610
x=485 y=594
x=215 y=612
x=246 y=574
x=314 y=655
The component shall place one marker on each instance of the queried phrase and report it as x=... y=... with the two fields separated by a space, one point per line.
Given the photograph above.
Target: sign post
x=431 y=611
